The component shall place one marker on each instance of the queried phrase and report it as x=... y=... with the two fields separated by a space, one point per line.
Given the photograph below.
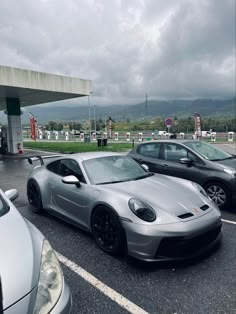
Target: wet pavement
x=206 y=285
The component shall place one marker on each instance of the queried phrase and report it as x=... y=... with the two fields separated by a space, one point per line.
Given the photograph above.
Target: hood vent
x=187 y=215
x=204 y=207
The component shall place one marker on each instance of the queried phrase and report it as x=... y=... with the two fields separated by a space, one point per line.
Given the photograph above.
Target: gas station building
x=21 y=88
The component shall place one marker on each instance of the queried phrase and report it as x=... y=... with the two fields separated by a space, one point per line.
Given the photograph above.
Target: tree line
x=186 y=125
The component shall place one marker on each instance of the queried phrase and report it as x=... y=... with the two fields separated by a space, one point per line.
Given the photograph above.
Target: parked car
x=125 y=207
x=209 y=166
x=30 y=273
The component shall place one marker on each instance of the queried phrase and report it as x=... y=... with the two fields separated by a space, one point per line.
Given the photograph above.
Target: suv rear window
x=150 y=150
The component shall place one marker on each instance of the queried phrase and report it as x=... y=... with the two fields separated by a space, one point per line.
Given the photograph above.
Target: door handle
x=164 y=165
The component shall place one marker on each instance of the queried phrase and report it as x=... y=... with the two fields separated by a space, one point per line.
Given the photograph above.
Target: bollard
x=213 y=136
x=140 y=137
x=81 y=137
x=230 y=136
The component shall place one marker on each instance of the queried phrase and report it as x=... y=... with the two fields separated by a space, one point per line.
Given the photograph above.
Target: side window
x=54 y=166
x=151 y=150
x=194 y=158
x=174 y=152
x=70 y=167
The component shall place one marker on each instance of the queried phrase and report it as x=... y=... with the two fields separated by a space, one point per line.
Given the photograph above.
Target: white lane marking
x=112 y=294
x=229 y=221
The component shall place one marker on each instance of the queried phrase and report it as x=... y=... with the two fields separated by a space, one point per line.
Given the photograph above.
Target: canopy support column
x=14 y=134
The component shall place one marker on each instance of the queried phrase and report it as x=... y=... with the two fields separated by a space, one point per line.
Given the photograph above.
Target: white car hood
x=19 y=266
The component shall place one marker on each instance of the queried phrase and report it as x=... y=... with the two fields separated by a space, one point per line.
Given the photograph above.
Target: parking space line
x=109 y=292
x=229 y=221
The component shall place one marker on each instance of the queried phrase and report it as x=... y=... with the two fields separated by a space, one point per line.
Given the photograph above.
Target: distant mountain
x=138 y=112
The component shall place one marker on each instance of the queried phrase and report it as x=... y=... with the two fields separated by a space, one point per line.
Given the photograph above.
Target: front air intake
x=184 y=216
x=204 y=207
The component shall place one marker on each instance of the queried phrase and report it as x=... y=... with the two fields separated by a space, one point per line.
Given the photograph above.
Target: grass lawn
x=78 y=147
x=73 y=147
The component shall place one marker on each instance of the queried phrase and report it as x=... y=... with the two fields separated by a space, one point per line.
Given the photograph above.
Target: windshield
x=4 y=208
x=113 y=169
x=208 y=151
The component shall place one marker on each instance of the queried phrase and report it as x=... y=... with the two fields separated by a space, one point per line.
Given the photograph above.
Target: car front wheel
x=107 y=231
x=219 y=193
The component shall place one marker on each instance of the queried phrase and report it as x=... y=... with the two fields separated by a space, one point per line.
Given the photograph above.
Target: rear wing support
x=41 y=159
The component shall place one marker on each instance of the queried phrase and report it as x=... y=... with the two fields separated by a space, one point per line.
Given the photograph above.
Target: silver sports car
x=31 y=277
x=128 y=209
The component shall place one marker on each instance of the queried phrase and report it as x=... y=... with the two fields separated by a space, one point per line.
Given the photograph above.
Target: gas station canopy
x=32 y=87
x=21 y=88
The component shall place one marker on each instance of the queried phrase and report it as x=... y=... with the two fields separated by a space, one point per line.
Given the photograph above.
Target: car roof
x=169 y=141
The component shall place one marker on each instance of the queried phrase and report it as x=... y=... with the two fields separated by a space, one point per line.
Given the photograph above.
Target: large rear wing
x=41 y=158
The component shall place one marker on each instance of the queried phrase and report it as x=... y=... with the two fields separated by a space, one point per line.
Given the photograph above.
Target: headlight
x=50 y=281
x=200 y=189
x=142 y=210
x=230 y=171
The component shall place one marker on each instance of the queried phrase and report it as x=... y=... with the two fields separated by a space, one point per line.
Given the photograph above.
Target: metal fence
x=124 y=136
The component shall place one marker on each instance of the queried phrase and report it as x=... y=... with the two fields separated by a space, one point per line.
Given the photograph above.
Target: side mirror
x=186 y=161
x=145 y=167
x=12 y=194
x=71 y=180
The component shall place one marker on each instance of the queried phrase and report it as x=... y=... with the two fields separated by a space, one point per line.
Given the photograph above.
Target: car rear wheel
x=34 y=197
x=219 y=193
x=107 y=231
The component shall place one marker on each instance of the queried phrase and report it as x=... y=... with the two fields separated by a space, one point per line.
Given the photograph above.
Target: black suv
x=212 y=168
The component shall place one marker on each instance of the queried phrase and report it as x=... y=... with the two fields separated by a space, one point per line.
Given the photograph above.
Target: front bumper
x=176 y=241
x=64 y=304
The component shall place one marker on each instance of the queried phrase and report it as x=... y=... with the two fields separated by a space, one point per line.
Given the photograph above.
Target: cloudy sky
x=165 y=48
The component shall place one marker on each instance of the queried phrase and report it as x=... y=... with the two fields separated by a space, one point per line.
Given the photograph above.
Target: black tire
x=219 y=193
x=107 y=231
x=34 y=197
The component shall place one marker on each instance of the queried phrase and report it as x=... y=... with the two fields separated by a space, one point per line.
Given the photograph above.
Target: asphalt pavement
x=101 y=283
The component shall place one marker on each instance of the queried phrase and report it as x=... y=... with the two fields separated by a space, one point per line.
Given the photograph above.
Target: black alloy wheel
x=34 y=196
x=219 y=193
x=107 y=231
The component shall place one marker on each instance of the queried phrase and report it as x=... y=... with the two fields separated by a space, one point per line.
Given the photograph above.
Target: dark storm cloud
x=168 y=49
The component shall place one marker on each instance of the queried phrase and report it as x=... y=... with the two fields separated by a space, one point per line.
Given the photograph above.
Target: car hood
x=228 y=162
x=20 y=259
x=173 y=195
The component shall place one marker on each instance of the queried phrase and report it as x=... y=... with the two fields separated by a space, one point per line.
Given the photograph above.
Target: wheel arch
x=122 y=250
x=100 y=204
x=228 y=191
x=216 y=180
